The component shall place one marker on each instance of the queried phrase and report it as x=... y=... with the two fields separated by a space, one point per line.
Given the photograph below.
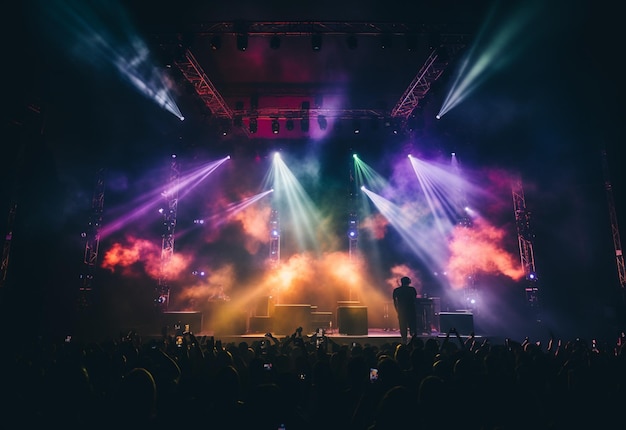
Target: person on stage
x=404 y=300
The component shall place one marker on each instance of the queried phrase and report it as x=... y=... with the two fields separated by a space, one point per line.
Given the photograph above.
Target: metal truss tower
x=92 y=244
x=353 y=234
x=619 y=254
x=274 y=239
x=6 y=248
x=170 y=195
x=470 y=291
x=525 y=238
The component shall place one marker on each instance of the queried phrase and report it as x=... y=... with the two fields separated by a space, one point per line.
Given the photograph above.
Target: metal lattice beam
x=433 y=68
x=617 y=245
x=193 y=72
x=169 y=227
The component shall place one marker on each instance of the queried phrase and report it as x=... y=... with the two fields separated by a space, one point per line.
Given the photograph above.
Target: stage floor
x=374 y=336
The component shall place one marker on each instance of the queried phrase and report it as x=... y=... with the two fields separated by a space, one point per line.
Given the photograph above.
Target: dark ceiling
x=367 y=59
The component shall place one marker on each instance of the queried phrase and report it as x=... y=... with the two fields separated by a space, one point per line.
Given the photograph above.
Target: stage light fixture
x=225 y=127
x=321 y=121
x=216 y=43
x=356 y=126
x=275 y=126
x=242 y=41
x=289 y=124
x=253 y=126
x=275 y=42
x=316 y=41
x=304 y=124
x=386 y=41
x=411 y=41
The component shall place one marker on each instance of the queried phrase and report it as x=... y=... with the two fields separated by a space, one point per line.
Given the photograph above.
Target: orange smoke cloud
x=215 y=286
x=478 y=249
x=142 y=254
x=255 y=223
x=320 y=280
x=376 y=225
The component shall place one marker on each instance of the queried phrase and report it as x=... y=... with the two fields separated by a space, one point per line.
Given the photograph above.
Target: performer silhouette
x=404 y=300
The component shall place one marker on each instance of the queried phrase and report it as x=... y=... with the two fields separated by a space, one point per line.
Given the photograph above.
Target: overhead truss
x=448 y=46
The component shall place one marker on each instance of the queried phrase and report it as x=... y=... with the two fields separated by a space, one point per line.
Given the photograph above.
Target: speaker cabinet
x=463 y=322
x=321 y=320
x=223 y=318
x=263 y=307
x=287 y=318
x=352 y=320
x=261 y=324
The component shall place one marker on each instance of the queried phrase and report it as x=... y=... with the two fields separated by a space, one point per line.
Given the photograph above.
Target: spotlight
x=304 y=124
x=385 y=41
x=275 y=126
x=316 y=41
x=225 y=128
x=356 y=125
x=321 y=121
x=353 y=229
x=253 y=127
x=289 y=124
x=275 y=42
x=242 y=41
x=438 y=116
x=216 y=43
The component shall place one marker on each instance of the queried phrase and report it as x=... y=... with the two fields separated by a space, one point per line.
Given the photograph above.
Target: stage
x=374 y=337
x=346 y=324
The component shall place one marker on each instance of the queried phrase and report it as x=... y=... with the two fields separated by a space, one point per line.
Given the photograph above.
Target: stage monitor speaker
x=463 y=322
x=287 y=318
x=352 y=320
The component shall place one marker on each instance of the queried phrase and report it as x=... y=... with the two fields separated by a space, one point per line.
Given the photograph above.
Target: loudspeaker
x=321 y=320
x=263 y=307
x=224 y=318
x=352 y=320
x=260 y=324
x=463 y=322
x=287 y=318
x=171 y=319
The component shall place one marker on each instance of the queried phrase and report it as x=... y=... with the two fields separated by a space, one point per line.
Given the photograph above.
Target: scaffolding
x=92 y=244
x=274 y=256
x=617 y=246
x=162 y=296
x=525 y=238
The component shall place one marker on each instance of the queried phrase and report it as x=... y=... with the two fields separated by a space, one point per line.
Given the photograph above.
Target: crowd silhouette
x=314 y=382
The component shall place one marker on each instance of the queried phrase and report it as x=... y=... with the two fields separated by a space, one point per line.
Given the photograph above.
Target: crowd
x=313 y=382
